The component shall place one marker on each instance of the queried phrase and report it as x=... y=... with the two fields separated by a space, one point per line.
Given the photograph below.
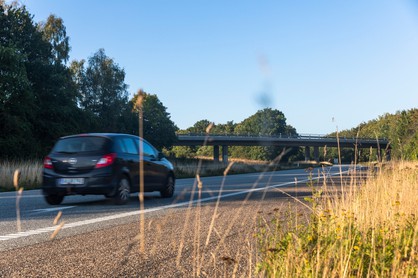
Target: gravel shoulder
x=200 y=241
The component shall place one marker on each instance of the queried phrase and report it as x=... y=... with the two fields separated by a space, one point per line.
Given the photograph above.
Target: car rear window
x=80 y=144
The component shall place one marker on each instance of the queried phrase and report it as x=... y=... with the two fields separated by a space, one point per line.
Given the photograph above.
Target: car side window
x=129 y=146
x=121 y=146
x=148 y=150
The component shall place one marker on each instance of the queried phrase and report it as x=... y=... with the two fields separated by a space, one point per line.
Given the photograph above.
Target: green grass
x=365 y=231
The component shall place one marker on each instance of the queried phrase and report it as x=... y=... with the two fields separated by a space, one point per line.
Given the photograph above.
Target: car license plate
x=71 y=181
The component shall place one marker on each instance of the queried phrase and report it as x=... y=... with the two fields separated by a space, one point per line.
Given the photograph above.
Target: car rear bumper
x=94 y=185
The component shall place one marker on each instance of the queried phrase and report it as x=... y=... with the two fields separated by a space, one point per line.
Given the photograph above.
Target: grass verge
x=186 y=168
x=364 y=231
x=30 y=174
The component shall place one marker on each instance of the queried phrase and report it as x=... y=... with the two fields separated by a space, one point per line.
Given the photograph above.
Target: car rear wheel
x=168 y=191
x=54 y=199
x=123 y=192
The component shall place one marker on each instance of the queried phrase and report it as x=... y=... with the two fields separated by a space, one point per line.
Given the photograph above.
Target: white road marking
x=52 y=209
x=133 y=213
x=23 y=196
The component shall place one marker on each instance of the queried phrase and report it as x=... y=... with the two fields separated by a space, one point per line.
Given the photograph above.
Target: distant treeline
x=401 y=129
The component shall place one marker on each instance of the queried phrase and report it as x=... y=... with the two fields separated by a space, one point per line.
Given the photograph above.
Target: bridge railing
x=281 y=135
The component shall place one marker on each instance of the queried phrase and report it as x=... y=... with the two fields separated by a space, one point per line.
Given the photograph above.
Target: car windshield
x=80 y=144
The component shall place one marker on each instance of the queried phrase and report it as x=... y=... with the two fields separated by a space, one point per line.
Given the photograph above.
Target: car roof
x=106 y=135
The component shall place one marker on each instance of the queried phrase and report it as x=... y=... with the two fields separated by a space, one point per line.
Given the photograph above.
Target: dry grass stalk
x=57 y=230
x=18 y=197
x=57 y=218
x=16 y=179
x=199 y=182
x=228 y=168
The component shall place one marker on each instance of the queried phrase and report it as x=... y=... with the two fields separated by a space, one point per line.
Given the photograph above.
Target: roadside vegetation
x=186 y=167
x=363 y=231
x=30 y=174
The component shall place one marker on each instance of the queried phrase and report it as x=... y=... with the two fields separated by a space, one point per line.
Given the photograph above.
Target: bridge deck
x=296 y=141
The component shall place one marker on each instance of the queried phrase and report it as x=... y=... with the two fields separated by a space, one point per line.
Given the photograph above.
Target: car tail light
x=48 y=163
x=106 y=160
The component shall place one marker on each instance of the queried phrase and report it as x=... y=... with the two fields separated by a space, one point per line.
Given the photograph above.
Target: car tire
x=54 y=199
x=123 y=192
x=168 y=191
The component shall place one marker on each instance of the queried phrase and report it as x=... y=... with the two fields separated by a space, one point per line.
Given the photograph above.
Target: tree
x=399 y=129
x=228 y=128
x=16 y=103
x=199 y=127
x=54 y=32
x=102 y=91
x=36 y=94
x=266 y=122
x=158 y=128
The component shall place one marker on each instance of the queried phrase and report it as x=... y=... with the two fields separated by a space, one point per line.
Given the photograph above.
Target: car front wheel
x=168 y=191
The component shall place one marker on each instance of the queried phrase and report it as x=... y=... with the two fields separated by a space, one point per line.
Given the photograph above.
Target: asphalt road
x=89 y=224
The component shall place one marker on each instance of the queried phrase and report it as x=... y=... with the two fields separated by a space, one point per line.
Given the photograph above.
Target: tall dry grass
x=187 y=168
x=364 y=231
x=30 y=174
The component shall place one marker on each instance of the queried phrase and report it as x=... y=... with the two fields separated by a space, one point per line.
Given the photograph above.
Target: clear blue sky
x=322 y=63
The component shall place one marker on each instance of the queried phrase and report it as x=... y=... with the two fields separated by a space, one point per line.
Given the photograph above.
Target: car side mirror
x=160 y=156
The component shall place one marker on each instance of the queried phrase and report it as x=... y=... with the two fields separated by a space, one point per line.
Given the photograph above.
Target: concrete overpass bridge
x=306 y=141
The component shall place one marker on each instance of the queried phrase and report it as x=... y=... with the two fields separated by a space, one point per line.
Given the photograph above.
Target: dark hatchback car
x=105 y=163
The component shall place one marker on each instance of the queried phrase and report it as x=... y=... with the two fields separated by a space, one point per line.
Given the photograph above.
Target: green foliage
x=54 y=32
x=344 y=236
x=182 y=152
x=205 y=151
x=228 y=128
x=36 y=94
x=199 y=127
x=327 y=243
x=266 y=122
x=42 y=99
x=16 y=102
x=102 y=91
x=399 y=128
x=158 y=128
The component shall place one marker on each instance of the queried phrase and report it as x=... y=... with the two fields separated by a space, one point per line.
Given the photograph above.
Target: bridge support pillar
x=307 y=153
x=225 y=154
x=216 y=153
x=387 y=152
x=316 y=153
